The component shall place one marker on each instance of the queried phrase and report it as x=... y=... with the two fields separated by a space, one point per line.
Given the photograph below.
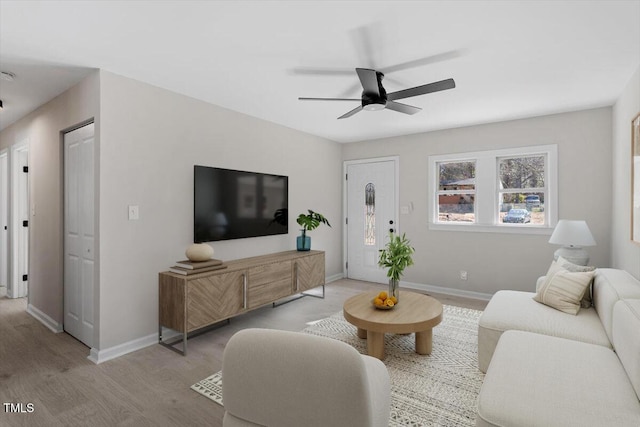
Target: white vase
x=199 y=252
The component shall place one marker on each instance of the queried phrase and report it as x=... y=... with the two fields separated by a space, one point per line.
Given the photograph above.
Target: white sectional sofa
x=549 y=368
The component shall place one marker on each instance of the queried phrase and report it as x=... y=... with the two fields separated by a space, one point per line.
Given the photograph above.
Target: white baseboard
x=333 y=278
x=446 y=291
x=99 y=356
x=44 y=319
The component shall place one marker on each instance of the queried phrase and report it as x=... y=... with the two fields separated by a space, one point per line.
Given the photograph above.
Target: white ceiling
x=510 y=59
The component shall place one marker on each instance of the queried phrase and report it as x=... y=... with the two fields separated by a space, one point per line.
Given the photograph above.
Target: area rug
x=436 y=390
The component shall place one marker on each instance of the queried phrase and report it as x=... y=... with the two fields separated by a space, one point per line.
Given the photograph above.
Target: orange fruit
x=382 y=295
x=378 y=302
x=389 y=302
x=394 y=299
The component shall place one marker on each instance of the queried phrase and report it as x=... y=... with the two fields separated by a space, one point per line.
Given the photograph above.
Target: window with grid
x=510 y=190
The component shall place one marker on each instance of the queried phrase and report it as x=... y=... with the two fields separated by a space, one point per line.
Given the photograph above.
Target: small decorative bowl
x=382 y=307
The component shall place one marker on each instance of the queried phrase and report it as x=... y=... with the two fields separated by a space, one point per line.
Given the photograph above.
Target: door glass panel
x=370 y=214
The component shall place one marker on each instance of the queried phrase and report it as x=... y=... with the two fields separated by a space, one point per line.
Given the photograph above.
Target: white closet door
x=19 y=221
x=4 y=220
x=79 y=235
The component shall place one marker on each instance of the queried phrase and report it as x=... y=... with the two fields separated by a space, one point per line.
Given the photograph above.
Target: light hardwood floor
x=149 y=387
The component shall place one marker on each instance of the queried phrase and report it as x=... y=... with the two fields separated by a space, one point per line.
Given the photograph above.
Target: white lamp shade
x=572 y=233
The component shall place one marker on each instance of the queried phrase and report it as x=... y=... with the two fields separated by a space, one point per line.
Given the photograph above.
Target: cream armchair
x=280 y=378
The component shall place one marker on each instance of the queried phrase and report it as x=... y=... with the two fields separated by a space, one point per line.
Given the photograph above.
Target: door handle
x=391 y=230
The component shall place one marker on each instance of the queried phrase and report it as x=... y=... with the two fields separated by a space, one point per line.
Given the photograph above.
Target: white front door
x=4 y=222
x=371 y=215
x=79 y=234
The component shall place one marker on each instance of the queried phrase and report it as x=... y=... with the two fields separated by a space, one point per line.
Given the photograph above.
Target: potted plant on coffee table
x=395 y=257
x=309 y=221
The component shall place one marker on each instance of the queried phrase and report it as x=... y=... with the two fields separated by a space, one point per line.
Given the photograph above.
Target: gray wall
x=150 y=140
x=497 y=261
x=624 y=253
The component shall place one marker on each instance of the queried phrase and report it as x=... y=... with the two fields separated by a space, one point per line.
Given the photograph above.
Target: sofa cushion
x=538 y=380
x=563 y=289
x=575 y=268
x=609 y=286
x=517 y=310
x=626 y=338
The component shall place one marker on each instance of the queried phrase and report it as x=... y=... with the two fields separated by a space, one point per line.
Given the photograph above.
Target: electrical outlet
x=463 y=275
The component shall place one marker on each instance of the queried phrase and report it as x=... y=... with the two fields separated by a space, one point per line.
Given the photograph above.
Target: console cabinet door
x=309 y=271
x=213 y=298
x=269 y=282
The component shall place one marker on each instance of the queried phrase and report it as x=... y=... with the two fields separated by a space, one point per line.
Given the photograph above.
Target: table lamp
x=572 y=235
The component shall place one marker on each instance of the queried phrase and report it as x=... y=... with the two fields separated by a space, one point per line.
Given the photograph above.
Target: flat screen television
x=231 y=204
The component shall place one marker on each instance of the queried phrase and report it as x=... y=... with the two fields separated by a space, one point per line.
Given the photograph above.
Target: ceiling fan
x=375 y=97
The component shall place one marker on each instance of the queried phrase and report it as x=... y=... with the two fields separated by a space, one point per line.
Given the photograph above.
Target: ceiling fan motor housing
x=375 y=101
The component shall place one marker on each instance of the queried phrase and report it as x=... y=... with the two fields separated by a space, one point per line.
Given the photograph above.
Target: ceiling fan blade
x=402 y=108
x=322 y=71
x=367 y=40
x=444 y=56
x=328 y=99
x=369 y=80
x=421 y=90
x=351 y=113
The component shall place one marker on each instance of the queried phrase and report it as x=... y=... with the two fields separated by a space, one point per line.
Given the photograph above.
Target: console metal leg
x=171 y=345
x=297 y=297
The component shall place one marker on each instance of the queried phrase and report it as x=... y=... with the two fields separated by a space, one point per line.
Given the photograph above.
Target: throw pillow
x=562 y=289
x=575 y=268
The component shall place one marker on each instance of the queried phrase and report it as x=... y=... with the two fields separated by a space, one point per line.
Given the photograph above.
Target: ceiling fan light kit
x=374 y=107
x=375 y=97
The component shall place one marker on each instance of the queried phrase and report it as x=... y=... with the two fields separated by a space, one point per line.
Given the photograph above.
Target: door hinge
x=25 y=169
x=346 y=176
x=346 y=265
x=346 y=221
x=25 y=223
x=24 y=277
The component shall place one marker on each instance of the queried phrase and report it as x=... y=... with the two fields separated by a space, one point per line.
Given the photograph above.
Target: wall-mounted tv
x=231 y=204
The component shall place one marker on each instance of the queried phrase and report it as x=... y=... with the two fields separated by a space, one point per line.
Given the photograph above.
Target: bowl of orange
x=383 y=301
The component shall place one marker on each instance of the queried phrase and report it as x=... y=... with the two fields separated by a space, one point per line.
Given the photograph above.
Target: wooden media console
x=188 y=304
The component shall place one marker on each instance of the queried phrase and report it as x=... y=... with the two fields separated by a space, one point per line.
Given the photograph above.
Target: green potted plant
x=309 y=221
x=395 y=257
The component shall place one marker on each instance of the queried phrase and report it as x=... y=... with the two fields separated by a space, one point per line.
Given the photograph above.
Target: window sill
x=490 y=228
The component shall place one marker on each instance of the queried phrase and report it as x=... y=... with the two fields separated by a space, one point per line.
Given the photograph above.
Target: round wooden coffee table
x=414 y=313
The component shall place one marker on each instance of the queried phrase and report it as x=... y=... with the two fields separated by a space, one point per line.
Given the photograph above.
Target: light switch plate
x=134 y=212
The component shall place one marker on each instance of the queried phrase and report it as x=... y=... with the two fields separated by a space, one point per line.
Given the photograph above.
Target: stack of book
x=187 y=267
